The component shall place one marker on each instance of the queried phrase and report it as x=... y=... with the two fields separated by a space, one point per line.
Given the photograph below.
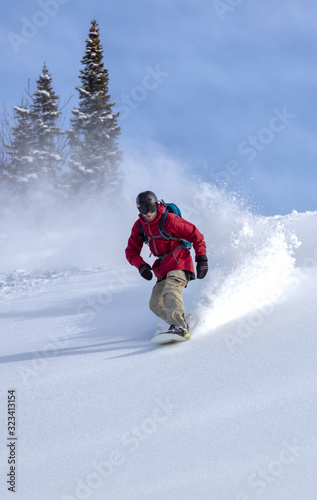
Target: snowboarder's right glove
x=202 y=266
x=145 y=271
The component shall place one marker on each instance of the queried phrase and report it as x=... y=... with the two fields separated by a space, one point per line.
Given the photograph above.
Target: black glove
x=202 y=266
x=145 y=271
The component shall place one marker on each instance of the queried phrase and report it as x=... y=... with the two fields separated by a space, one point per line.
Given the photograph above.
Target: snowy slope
x=103 y=414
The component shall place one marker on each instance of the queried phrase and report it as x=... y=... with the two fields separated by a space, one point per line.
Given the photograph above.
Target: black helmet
x=147 y=202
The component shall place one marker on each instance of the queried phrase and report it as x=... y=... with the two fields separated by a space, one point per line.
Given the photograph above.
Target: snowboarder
x=170 y=238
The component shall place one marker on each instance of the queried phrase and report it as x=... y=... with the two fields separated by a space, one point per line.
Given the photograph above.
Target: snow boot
x=182 y=332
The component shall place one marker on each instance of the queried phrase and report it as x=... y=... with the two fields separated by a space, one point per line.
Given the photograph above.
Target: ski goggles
x=145 y=209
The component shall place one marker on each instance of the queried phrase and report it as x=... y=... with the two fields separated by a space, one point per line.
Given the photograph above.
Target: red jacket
x=174 y=260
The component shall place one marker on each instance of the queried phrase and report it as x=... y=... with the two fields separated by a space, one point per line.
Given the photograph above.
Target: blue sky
x=229 y=87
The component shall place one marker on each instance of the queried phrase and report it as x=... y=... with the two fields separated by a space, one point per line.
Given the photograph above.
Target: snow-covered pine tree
x=36 y=143
x=20 y=170
x=94 y=154
x=46 y=152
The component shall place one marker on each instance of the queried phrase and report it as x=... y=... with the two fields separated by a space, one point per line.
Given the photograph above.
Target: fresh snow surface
x=103 y=414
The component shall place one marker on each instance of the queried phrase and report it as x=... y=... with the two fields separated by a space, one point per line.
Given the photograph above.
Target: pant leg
x=166 y=300
x=156 y=300
x=175 y=283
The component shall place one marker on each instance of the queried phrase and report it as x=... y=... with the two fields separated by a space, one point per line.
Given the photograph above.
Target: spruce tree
x=46 y=146
x=94 y=154
x=36 y=146
x=20 y=168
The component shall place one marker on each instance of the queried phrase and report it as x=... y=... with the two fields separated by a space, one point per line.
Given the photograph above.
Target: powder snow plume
x=249 y=256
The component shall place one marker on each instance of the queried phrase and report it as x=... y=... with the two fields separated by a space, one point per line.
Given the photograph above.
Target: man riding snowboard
x=170 y=242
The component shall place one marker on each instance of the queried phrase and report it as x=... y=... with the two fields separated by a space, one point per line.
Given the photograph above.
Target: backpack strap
x=167 y=236
x=163 y=234
x=142 y=233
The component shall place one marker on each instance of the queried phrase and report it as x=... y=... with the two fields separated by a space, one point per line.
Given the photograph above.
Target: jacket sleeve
x=134 y=247
x=181 y=228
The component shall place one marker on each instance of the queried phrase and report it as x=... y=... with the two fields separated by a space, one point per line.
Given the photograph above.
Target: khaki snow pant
x=166 y=299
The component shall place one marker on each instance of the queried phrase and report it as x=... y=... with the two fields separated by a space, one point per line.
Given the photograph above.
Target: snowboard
x=168 y=338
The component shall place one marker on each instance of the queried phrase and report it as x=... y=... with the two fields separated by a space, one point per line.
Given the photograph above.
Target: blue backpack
x=174 y=209
x=169 y=208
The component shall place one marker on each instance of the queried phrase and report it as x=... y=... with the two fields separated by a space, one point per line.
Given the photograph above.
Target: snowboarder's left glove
x=202 y=266
x=146 y=271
